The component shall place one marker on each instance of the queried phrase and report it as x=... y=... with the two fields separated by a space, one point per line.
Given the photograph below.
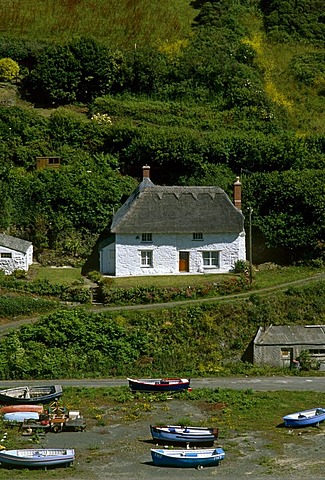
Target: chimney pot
x=146 y=171
x=237 y=193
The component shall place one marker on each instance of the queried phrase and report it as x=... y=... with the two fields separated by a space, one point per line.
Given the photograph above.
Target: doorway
x=184 y=261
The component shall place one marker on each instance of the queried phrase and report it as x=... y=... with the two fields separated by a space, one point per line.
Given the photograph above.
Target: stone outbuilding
x=166 y=230
x=15 y=254
x=281 y=345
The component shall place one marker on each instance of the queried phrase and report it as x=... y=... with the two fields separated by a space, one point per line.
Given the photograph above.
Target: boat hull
x=305 y=418
x=20 y=417
x=176 y=434
x=22 y=408
x=187 y=458
x=170 y=385
x=32 y=395
x=38 y=457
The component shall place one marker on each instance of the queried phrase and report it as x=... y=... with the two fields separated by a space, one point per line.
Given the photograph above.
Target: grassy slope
x=126 y=23
x=120 y=23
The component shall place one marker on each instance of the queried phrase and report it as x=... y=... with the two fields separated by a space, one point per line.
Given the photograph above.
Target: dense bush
x=9 y=69
x=142 y=295
x=191 y=340
x=14 y=306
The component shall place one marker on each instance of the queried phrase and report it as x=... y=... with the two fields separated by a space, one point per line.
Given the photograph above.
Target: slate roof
x=291 y=335
x=14 y=243
x=163 y=209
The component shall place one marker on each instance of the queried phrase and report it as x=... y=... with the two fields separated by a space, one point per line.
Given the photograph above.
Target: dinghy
x=305 y=418
x=187 y=458
x=159 y=385
x=38 y=457
x=185 y=435
x=30 y=395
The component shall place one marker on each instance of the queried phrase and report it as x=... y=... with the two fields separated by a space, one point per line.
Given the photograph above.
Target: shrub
x=9 y=69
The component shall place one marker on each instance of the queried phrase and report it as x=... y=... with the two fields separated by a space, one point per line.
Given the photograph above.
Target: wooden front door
x=184 y=261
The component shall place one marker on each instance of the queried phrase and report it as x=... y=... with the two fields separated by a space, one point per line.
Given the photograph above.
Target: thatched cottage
x=164 y=230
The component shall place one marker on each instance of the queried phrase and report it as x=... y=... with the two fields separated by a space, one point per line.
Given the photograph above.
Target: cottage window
x=6 y=255
x=146 y=258
x=146 y=237
x=197 y=236
x=211 y=259
x=317 y=351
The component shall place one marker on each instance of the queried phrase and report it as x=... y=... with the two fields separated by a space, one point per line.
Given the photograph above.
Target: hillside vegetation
x=202 y=91
x=196 y=340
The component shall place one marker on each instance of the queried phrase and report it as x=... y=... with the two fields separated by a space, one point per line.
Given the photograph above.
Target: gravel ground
x=122 y=451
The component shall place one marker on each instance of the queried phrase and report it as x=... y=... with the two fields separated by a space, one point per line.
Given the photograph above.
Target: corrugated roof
x=292 y=334
x=14 y=243
x=174 y=209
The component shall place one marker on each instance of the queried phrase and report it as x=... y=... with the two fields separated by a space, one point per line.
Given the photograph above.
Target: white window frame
x=146 y=237
x=211 y=258
x=197 y=236
x=146 y=257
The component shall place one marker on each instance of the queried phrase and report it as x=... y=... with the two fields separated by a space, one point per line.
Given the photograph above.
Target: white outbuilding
x=15 y=254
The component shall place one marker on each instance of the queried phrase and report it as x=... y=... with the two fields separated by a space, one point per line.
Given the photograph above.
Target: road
x=274 y=383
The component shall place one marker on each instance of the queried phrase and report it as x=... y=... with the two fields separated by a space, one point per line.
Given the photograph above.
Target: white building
x=15 y=254
x=172 y=230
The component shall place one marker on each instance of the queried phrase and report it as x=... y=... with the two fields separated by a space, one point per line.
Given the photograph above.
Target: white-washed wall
x=166 y=250
x=18 y=260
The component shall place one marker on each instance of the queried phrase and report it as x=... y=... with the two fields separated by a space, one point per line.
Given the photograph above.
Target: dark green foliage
x=75 y=71
x=13 y=306
x=74 y=293
x=195 y=340
x=309 y=69
x=295 y=20
x=289 y=209
x=142 y=295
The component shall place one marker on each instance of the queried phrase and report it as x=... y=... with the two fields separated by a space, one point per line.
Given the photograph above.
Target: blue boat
x=188 y=458
x=38 y=457
x=305 y=418
x=178 y=434
x=159 y=385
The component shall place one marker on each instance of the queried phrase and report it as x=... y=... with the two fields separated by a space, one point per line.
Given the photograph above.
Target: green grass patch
x=59 y=275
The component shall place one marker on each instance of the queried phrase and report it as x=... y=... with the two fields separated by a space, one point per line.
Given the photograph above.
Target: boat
x=30 y=395
x=38 y=457
x=20 y=417
x=183 y=434
x=159 y=385
x=187 y=458
x=22 y=408
x=305 y=418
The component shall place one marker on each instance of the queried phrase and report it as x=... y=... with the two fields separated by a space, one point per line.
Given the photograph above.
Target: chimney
x=237 y=193
x=146 y=171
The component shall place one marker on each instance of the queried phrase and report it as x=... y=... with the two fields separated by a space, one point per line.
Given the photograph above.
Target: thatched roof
x=14 y=243
x=161 y=209
x=291 y=335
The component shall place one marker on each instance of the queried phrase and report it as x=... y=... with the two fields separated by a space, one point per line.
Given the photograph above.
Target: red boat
x=22 y=408
x=159 y=385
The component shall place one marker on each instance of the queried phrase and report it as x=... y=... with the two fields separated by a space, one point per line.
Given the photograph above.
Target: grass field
x=119 y=23
x=263 y=277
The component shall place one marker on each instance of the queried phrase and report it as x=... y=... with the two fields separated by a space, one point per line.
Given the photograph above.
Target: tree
x=9 y=69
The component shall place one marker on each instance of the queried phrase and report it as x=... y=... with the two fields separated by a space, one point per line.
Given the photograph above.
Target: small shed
x=280 y=345
x=15 y=254
x=47 y=162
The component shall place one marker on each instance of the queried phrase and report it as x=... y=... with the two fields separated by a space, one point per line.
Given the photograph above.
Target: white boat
x=187 y=458
x=38 y=457
x=184 y=434
x=20 y=417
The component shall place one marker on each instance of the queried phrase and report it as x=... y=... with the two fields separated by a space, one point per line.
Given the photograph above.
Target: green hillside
x=203 y=91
